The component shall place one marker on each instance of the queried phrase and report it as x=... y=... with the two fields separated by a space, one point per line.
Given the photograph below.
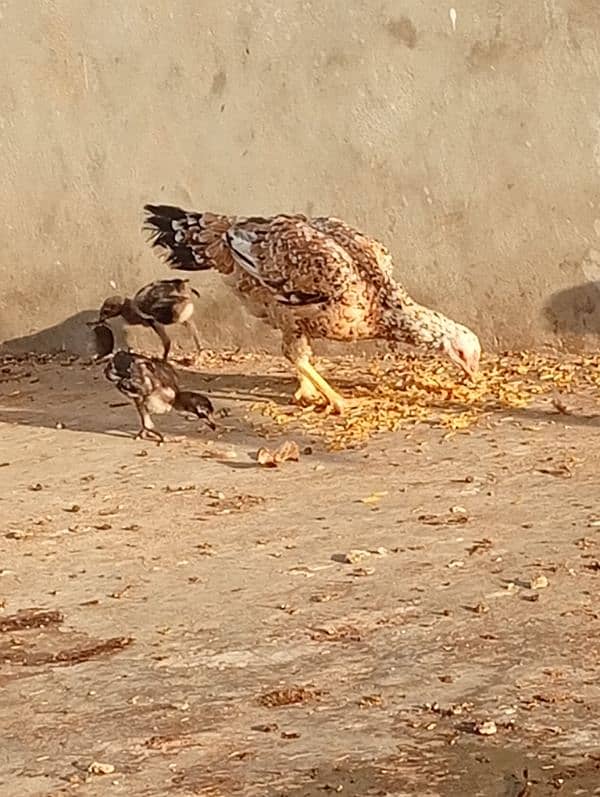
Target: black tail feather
x=166 y=212
x=159 y=223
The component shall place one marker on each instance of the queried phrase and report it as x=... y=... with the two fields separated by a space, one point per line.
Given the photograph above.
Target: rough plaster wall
x=470 y=143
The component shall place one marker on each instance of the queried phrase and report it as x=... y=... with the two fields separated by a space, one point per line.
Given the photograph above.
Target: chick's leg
x=296 y=349
x=166 y=340
x=194 y=331
x=147 y=432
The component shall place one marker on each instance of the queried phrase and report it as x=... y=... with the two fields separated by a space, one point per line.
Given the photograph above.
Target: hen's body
x=153 y=387
x=310 y=278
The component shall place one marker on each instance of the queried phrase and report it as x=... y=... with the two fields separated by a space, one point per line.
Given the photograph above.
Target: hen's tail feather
x=166 y=212
x=176 y=230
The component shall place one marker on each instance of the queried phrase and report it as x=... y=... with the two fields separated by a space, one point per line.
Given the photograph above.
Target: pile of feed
x=429 y=390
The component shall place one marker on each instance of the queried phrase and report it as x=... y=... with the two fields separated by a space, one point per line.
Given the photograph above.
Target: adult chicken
x=310 y=278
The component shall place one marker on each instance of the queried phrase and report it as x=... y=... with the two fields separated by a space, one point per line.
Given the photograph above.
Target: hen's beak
x=466 y=367
x=471 y=367
x=210 y=423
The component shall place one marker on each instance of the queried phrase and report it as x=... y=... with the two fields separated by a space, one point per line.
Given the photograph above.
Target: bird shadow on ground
x=532 y=414
x=71 y=336
x=78 y=398
x=574 y=311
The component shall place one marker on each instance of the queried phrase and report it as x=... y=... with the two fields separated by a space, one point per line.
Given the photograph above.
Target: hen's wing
x=373 y=260
x=297 y=262
x=370 y=255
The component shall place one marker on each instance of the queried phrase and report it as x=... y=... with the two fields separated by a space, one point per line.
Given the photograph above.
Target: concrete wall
x=470 y=144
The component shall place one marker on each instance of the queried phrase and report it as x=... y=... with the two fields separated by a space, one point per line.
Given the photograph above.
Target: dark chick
x=153 y=387
x=157 y=305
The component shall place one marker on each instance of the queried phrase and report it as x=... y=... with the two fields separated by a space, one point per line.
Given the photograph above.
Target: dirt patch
x=419 y=612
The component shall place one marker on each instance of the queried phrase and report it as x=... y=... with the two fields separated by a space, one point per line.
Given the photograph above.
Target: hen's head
x=413 y=323
x=462 y=347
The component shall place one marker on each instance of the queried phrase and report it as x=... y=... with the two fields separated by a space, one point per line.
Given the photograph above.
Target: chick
x=153 y=387
x=157 y=305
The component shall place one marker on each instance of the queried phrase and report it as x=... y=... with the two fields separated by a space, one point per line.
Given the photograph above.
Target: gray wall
x=473 y=152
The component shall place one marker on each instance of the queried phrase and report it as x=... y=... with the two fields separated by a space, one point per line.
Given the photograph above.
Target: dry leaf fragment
x=380 y=551
x=479 y=608
x=487 y=728
x=98 y=768
x=367 y=701
x=374 y=497
x=112 y=511
x=480 y=545
x=360 y=572
x=560 y=405
x=539 y=582
x=287 y=451
x=355 y=556
x=119 y=593
x=322 y=597
x=288 y=696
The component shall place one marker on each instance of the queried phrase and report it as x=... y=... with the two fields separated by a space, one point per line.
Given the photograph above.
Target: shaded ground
x=201 y=634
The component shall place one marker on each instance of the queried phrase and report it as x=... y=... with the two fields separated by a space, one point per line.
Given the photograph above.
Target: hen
x=156 y=305
x=153 y=387
x=310 y=278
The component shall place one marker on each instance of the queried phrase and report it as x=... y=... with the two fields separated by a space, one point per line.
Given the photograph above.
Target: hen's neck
x=407 y=321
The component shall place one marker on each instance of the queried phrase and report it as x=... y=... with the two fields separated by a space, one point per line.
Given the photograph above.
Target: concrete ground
x=418 y=615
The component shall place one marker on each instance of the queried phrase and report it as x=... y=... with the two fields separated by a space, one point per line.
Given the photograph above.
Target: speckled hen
x=310 y=278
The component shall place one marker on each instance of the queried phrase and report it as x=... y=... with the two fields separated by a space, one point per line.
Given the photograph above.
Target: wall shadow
x=72 y=336
x=574 y=312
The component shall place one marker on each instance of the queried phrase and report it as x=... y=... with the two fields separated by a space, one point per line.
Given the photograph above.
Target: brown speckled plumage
x=310 y=278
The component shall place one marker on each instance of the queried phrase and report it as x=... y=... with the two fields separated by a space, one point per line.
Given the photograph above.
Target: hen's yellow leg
x=307 y=393
x=308 y=372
